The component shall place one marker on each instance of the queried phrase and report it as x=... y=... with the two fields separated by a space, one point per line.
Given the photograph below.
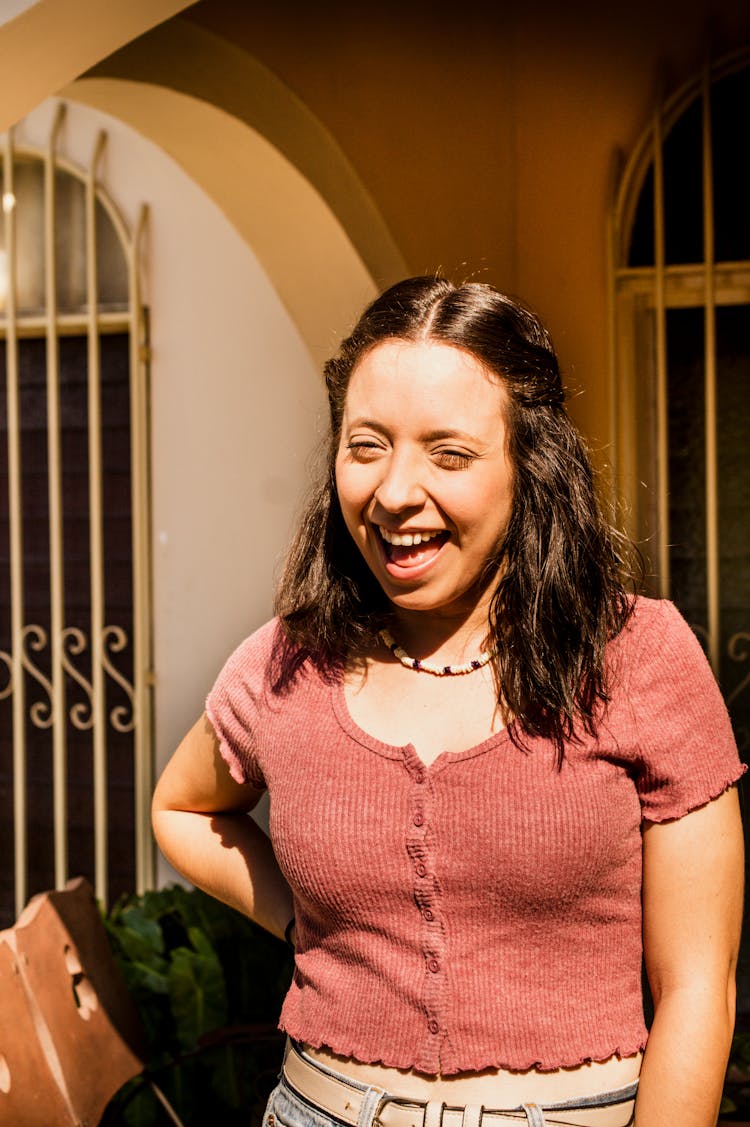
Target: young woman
x=496 y=778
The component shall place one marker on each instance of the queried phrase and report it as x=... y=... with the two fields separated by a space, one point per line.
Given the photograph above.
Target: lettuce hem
x=659 y=817
x=477 y=1063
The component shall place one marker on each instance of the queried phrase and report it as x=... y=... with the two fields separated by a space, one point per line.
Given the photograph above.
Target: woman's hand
x=692 y=910
x=201 y=822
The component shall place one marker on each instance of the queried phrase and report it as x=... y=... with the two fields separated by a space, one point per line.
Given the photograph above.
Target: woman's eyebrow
x=437 y=435
x=371 y=424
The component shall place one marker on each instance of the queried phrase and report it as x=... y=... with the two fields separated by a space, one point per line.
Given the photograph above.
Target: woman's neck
x=450 y=638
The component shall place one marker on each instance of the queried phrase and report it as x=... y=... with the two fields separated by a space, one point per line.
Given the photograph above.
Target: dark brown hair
x=561 y=595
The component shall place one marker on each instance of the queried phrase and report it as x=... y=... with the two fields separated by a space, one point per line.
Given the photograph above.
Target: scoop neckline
x=405 y=751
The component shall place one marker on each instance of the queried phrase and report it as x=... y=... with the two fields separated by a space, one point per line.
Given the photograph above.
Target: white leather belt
x=344 y=1102
x=353 y=1105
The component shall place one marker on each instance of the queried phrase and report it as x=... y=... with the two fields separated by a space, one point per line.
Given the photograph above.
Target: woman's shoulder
x=659 y=656
x=256 y=662
x=258 y=647
x=267 y=661
x=653 y=622
x=669 y=714
x=658 y=647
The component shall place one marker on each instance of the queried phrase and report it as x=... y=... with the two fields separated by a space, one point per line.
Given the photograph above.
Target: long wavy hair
x=561 y=594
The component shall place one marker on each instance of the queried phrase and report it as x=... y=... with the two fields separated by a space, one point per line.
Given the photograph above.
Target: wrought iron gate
x=75 y=613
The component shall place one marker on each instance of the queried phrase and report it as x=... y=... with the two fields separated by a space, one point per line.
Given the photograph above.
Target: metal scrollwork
x=82 y=713
x=115 y=640
x=7 y=661
x=41 y=711
x=73 y=643
x=739 y=653
x=738 y=649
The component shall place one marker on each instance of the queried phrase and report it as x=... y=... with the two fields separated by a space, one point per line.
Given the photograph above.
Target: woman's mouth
x=411 y=548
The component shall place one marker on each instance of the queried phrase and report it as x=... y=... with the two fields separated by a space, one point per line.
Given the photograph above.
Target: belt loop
x=534 y=1115
x=371 y=1101
x=287 y=1051
x=433 y=1113
x=472 y=1115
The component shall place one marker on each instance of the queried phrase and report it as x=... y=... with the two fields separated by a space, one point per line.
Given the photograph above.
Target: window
x=75 y=647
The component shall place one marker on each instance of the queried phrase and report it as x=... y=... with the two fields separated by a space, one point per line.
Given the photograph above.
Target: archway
x=310 y=259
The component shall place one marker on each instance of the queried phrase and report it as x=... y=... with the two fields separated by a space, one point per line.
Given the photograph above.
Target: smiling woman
x=491 y=788
x=547 y=589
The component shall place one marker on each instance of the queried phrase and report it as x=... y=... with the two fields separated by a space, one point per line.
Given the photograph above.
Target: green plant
x=208 y=985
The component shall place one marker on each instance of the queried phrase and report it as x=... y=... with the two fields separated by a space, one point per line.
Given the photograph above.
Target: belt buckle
x=385 y=1098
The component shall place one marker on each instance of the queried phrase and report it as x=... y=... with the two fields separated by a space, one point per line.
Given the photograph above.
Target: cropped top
x=484 y=911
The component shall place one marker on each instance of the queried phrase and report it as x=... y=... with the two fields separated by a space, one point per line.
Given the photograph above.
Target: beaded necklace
x=431 y=666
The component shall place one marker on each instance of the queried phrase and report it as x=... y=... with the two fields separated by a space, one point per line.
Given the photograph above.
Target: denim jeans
x=287 y=1108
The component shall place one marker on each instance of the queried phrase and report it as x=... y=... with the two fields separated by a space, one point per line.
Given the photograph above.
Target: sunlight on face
x=422 y=473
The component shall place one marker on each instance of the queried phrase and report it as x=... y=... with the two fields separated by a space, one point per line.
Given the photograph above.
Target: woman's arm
x=202 y=825
x=692 y=909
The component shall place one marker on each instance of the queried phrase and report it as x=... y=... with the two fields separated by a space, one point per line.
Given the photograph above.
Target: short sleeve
x=235 y=705
x=684 y=749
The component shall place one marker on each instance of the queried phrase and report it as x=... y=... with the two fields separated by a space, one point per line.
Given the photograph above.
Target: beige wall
x=419 y=97
x=46 y=43
x=487 y=135
x=300 y=242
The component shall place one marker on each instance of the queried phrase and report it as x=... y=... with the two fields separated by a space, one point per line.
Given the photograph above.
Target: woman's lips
x=410 y=557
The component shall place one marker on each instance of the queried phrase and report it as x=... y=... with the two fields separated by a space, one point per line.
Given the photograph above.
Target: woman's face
x=423 y=478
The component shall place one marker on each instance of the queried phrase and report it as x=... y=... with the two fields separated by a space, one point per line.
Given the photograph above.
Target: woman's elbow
x=708 y=992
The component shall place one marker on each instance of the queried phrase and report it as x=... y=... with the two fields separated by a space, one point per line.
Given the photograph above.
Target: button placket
x=421 y=847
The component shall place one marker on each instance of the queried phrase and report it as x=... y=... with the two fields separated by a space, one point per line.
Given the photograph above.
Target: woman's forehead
x=395 y=362
x=427 y=385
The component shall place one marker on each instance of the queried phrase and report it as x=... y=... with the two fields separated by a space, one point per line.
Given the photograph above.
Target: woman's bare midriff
x=493 y=1087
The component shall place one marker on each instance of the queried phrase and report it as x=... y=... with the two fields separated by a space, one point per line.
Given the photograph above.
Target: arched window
x=75 y=635
x=681 y=300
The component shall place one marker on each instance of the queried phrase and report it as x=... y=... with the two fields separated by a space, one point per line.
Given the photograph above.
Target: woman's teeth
x=406 y=539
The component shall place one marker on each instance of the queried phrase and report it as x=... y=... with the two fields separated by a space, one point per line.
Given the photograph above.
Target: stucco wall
x=488 y=137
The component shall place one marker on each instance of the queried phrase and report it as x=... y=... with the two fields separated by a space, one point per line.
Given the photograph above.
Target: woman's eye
x=453 y=459
x=363 y=450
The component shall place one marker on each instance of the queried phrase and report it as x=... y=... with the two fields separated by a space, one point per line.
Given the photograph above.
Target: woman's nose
x=400 y=487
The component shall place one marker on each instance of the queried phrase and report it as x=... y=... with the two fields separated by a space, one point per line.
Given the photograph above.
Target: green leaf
x=197 y=993
x=201 y=943
x=140 y=976
x=225 y=970
x=139 y=937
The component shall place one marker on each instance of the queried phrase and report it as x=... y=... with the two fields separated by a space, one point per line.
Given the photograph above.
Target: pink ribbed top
x=484 y=911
